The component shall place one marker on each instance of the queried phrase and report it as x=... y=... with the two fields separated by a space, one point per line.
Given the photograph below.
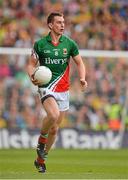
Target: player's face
x=57 y=26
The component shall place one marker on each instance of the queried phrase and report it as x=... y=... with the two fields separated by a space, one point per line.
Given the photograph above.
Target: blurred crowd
x=100 y=24
x=100 y=107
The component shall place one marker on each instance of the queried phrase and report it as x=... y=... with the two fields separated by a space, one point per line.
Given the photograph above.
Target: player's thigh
x=51 y=107
x=61 y=117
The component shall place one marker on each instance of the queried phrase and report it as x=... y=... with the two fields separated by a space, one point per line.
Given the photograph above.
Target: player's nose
x=62 y=25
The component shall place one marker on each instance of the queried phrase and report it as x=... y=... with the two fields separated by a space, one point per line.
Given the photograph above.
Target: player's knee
x=53 y=131
x=54 y=116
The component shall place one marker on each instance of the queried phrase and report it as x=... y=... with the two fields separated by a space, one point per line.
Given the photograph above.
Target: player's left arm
x=81 y=70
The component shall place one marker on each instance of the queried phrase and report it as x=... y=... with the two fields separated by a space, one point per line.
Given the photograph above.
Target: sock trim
x=44 y=135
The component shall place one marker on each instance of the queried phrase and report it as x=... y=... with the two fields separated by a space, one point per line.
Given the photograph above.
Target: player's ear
x=50 y=25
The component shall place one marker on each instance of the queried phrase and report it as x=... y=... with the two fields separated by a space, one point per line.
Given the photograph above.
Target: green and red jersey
x=56 y=57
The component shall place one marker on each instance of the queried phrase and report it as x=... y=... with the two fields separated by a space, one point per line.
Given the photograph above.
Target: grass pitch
x=65 y=164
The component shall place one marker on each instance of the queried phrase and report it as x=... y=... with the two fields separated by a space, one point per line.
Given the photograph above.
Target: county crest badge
x=65 y=51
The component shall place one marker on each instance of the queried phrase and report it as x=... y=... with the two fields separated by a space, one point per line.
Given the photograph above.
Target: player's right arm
x=32 y=64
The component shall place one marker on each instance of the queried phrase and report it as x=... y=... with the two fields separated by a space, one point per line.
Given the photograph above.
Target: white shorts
x=62 y=98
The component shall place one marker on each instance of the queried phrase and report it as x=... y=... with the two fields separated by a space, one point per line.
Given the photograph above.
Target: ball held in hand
x=43 y=74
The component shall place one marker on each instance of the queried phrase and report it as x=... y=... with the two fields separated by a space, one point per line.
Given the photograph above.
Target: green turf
x=65 y=164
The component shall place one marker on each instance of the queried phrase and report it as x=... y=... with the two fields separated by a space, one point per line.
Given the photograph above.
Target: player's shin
x=51 y=137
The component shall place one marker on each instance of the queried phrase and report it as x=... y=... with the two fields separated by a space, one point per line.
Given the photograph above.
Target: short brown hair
x=52 y=15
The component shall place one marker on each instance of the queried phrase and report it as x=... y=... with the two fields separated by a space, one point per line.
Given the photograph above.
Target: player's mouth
x=61 y=30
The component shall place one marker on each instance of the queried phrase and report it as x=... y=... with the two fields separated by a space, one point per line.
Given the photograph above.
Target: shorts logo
x=64 y=51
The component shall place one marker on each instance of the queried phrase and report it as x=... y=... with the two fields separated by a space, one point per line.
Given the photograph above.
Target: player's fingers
x=35 y=82
x=83 y=82
x=84 y=85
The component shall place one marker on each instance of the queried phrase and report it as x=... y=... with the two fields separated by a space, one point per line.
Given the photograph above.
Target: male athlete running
x=54 y=51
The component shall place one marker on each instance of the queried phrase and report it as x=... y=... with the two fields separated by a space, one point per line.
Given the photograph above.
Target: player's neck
x=55 y=38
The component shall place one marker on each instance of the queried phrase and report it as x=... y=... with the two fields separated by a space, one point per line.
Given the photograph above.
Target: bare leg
x=53 y=132
x=49 y=127
x=53 y=113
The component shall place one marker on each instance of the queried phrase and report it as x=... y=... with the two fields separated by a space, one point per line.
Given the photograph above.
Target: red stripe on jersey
x=63 y=83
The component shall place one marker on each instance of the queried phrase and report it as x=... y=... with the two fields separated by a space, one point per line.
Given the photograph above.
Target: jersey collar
x=48 y=37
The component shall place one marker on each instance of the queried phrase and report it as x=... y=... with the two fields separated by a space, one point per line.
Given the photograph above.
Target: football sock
x=43 y=138
x=41 y=146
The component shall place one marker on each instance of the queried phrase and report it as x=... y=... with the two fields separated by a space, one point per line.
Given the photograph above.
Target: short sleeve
x=34 y=52
x=74 y=49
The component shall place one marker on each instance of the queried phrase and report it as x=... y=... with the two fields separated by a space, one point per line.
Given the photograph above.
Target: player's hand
x=84 y=84
x=34 y=81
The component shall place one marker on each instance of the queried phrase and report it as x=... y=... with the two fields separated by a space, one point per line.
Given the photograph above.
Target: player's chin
x=61 y=32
